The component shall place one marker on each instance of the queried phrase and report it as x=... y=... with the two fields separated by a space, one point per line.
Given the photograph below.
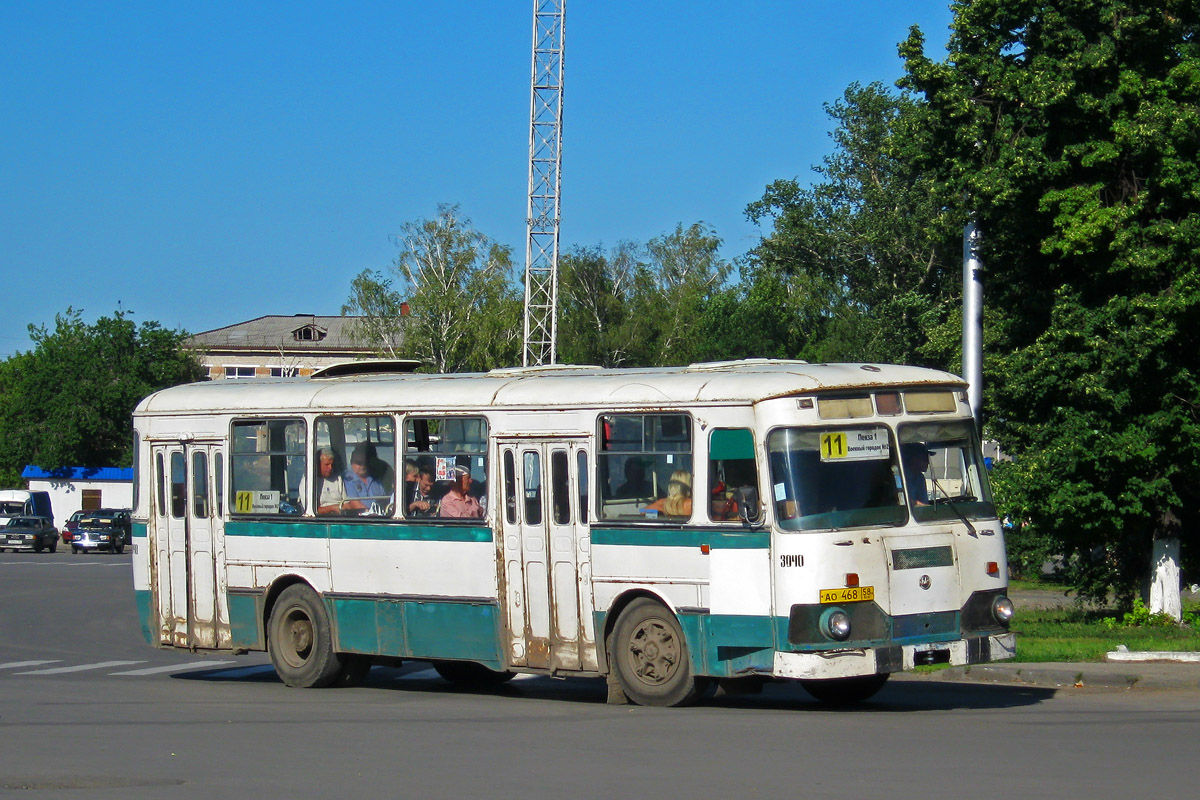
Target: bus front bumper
x=851 y=662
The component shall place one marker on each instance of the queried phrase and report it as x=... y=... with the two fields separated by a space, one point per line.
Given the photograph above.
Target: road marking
x=80 y=668
x=173 y=668
x=19 y=664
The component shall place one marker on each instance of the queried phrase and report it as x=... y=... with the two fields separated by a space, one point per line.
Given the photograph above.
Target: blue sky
x=206 y=163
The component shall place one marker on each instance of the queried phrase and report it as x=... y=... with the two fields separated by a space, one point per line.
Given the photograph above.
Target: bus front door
x=189 y=546
x=547 y=554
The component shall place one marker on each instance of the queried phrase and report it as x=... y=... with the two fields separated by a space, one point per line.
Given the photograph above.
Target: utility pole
x=972 y=321
x=545 y=167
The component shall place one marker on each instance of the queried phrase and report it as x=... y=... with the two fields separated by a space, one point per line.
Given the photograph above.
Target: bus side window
x=731 y=470
x=267 y=464
x=645 y=464
x=454 y=451
x=581 y=476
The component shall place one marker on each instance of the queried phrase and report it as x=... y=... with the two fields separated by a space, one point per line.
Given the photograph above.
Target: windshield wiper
x=937 y=489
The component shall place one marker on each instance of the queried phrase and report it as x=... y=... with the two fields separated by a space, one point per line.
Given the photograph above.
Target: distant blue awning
x=79 y=473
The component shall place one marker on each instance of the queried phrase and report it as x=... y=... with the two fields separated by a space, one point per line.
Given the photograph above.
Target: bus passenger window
x=645 y=466
x=178 y=485
x=454 y=452
x=559 y=488
x=732 y=473
x=354 y=470
x=581 y=476
x=267 y=464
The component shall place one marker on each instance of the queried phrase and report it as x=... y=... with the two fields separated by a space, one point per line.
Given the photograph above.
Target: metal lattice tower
x=545 y=166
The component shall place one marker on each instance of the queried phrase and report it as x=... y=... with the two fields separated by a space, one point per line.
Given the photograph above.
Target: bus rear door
x=189 y=545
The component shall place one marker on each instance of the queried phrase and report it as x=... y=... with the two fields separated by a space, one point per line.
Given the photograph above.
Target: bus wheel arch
x=300 y=637
x=648 y=655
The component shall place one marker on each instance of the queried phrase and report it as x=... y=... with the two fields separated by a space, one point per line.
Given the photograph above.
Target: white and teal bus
x=669 y=529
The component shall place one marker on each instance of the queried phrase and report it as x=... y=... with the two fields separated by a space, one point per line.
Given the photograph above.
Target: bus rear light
x=851 y=579
x=993 y=569
x=704 y=549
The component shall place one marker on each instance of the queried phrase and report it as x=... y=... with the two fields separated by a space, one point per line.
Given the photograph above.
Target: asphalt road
x=88 y=710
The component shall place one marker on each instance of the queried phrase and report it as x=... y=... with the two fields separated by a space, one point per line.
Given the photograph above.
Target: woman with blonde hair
x=678 y=502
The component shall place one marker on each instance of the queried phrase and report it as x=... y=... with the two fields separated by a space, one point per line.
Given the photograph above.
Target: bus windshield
x=943 y=471
x=826 y=478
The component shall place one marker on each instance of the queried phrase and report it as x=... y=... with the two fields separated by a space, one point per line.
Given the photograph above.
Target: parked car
x=29 y=533
x=69 y=529
x=102 y=529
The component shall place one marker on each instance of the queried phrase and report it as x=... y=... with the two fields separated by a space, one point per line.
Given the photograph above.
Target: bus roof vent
x=536 y=370
x=369 y=367
x=716 y=366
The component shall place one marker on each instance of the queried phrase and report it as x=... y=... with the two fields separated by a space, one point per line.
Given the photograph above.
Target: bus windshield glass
x=825 y=478
x=943 y=471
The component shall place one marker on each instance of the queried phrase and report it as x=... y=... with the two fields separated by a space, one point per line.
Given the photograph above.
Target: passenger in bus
x=458 y=500
x=678 y=502
x=411 y=471
x=422 y=503
x=331 y=488
x=361 y=487
x=916 y=461
x=636 y=484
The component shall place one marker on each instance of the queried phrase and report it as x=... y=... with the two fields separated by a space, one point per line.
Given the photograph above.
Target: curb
x=1123 y=676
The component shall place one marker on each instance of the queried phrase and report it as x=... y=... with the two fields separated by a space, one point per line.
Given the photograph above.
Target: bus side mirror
x=748 y=509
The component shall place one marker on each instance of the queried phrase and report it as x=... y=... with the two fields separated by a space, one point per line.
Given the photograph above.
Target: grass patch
x=1075 y=634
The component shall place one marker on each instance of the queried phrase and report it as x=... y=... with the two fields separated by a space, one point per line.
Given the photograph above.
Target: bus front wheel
x=300 y=641
x=845 y=691
x=649 y=655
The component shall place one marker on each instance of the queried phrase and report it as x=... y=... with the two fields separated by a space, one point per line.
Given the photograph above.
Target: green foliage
x=869 y=244
x=1073 y=130
x=465 y=309
x=1141 y=616
x=68 y=402
x=1083 y=634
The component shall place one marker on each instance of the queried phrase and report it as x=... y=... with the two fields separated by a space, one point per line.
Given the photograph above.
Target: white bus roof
x=748 y=381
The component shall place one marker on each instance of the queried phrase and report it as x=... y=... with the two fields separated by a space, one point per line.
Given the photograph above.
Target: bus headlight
x=1002 y=609
x=835 y=623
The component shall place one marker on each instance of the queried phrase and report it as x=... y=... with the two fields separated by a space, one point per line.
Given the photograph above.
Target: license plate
x=15 y=541
x=848 y=595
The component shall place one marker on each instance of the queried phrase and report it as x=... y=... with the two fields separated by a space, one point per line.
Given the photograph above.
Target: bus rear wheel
x=649 y=655
x=845 y=691
x=300 y=641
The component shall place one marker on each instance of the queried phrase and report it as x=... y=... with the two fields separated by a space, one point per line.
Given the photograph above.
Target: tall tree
x=605 y=307
x=688 y=270
x=464 y=307
x=869 y=243
x=69 y=400
x=1072 y=130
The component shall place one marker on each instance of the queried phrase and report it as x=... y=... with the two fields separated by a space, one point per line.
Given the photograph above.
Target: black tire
x=300 y=640
x=38 y=546
x=649 y=655
x=119 y=547
x=845 y=691
x=471 y=674
x=354 y=670
x=54 y=545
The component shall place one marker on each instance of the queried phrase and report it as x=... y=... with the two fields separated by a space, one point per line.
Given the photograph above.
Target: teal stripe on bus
x=138 y=530
x=144 y=600
x=357 y=530
x=671 y=537
x=434 y=629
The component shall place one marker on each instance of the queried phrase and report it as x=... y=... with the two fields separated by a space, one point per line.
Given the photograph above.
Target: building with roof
x=81 y=488
x=277 y=346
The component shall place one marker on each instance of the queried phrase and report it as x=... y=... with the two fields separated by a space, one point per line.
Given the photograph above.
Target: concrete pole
x=972 y=337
